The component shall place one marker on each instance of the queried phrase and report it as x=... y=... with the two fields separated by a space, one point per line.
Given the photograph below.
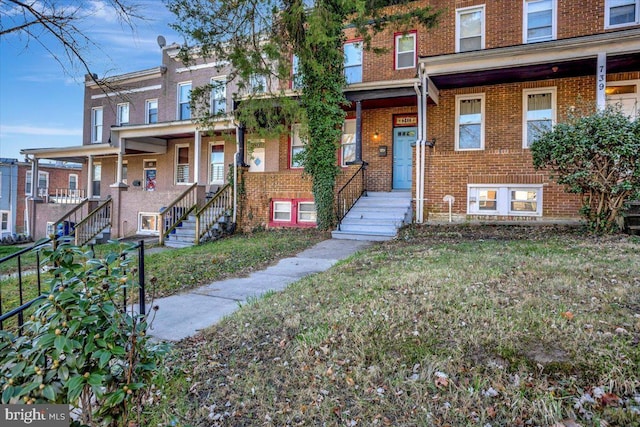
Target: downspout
x=425 y=89
x=235 y=175
x=418 y=149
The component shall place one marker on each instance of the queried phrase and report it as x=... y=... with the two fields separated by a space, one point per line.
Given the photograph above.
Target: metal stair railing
x=177 y=211
x=350 y=193
x=95 y=223
x=220 y=205
x=68 y=221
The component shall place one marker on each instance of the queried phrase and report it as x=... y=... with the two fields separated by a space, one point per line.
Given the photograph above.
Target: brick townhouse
x=445 y=116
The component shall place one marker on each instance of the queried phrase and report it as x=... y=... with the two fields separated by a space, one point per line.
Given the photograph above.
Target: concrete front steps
x=376 y=216
x=184 y=235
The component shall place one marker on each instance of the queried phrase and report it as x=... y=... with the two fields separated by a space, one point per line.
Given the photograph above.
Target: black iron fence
x=17 y=279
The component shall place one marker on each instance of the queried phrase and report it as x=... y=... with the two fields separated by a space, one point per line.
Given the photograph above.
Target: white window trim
x=147 y=232
x=554 y=109
x=459 y=98
x=273 y=214
x=95 y=138
x=554 y=22
x=614 y=99
x=360 y=64
x=223 y=80
x=464 y=10
x=503 y=199
x=9 y=228
x=607 y=13
x=299 y=220
x=147 y=109
x=27 y=173
x=211 y=145
x=295 y=129
x=175 y=164
x=343 y=162
x=77 y=181
x=179 y=103
x=413 y=35
x=119 y=118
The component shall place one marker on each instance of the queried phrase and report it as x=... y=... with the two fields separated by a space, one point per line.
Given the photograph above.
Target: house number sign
x=405 y=120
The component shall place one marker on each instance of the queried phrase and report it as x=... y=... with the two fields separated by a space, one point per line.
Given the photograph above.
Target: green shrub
x=79 y=347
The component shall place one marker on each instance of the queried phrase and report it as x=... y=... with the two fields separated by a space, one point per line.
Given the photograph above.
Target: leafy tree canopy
x=260 y=38
x=597 y=156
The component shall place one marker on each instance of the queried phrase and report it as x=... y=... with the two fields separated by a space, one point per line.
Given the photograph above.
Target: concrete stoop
x=376 y=216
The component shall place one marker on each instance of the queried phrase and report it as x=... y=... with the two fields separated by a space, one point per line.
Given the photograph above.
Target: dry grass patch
x=445 y=326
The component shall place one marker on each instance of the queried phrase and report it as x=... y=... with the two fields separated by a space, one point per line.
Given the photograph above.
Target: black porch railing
x=349 y=194
x=23 y=306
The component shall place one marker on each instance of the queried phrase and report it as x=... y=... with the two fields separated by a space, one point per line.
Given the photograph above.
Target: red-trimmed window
x=405 y=50
x=292 y=213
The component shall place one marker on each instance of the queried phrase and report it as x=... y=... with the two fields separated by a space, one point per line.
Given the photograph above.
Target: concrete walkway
x=180 y=316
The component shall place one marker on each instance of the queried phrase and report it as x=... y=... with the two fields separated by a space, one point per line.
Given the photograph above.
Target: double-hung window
x=626 y=96
x=182 y=164
x=470 y=28
x=152 y=110
x=216 y=165
x=258 y=83
x=297 y=146
x=5 y=225
x=405 y=47
x=96 y=125
x=539 y=106
x=539 y=20
x=348 y=146
x=184 y=93
x=73 y=182
x=123 y=114
x=470 y=122
x=42 y=187
x=618 y=13
x=296 y=73
x=353 y=62
x=218 y=96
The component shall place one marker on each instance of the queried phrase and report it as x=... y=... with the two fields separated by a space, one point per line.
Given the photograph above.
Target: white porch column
x=601 y=81
x=90 y=177
x=196 y=156
x=34 y=179
x=119 y=169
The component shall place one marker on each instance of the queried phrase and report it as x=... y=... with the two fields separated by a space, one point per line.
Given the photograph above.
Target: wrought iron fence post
x=143 y=310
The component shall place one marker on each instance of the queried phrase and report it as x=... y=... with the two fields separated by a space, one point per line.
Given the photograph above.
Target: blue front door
x=403 y=157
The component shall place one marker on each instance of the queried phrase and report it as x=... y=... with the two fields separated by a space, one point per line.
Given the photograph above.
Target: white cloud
x=6 y=130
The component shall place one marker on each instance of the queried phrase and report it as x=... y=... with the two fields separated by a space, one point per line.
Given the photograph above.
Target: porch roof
x=75 y=154
x=546 y=60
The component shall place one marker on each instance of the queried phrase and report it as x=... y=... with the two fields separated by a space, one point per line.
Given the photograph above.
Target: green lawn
x=445 y=326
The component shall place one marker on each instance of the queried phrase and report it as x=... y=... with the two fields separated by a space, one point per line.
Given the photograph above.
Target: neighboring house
x=446 y=115
x=58 y=184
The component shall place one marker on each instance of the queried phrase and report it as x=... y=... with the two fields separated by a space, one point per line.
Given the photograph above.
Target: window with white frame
x=297 y=146
x=182 y=164
x=348 y=146
x=296 y=73
x=218 y=96
x=618 y=13
x=625 y=95
x=258 y=83
x=470 y=28
x=42 y=185
x=125 y=171
x=5 y=224
x=307 y=212
x=539 y=107
x=539 y=20
x=504 y=199
x=405 y=46
x=151 y=107
x=96 y=125
x=281 y=211
x=148 y=223
x=353 y=62
x=470 y=122
x=123 y=114
x=216 y=164
x=73 y=181
x=184 y=94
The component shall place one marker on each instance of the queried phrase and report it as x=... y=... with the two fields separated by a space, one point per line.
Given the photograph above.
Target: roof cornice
x=132 y=77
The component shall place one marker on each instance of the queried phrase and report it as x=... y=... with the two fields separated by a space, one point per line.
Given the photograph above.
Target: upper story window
x=353 y=62
x=296 y=73
x=123 y=114
x=297 y=146
x=96 y=125
x=405 y=46
x=258 y=83
x=470 y=28
x=539 y=20
x=182 y=164
x=152 y=110
x=348 y=146
x=218 y=96
x=539 y=113
x=470 y=122
x=618 y=13
x=43 y=183
x=184 y=93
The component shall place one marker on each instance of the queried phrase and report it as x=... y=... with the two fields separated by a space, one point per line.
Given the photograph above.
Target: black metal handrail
x=19 y=311
x=350 y=193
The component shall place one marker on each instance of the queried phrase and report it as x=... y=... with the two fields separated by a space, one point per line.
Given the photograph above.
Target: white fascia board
x=128 y=78
x=382 y=84
x=74 y=151
x=613 y=43
x=127 y=91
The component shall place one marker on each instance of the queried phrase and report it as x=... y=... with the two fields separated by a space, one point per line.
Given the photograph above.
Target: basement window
x=292 y=213
x=503 y=200
x=147 y=223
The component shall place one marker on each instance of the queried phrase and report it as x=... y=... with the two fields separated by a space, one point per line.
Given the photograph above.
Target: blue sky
x=41 y=105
